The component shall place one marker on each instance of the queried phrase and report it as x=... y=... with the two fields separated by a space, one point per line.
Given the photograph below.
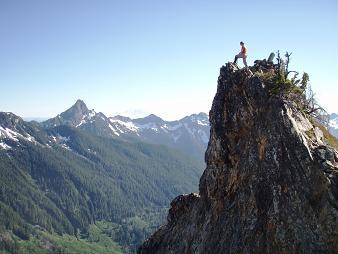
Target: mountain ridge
x=189 y=134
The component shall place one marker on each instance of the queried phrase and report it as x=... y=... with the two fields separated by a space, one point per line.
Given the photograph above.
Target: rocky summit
x=270 y=185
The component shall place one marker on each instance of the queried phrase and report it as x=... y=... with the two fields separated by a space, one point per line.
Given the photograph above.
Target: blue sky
x=162 y=57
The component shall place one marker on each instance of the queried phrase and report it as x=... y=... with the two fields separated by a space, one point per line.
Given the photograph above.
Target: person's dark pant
x=240 y=55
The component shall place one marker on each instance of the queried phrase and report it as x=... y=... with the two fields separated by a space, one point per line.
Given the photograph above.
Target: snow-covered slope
x=196 y=125
x=334 y=124
x=189 y=134
x=15 y=132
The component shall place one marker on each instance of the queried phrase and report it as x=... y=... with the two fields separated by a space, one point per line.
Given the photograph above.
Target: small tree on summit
x=295 y=89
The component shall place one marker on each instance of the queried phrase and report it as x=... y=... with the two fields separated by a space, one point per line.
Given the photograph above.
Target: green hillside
x=59 y=189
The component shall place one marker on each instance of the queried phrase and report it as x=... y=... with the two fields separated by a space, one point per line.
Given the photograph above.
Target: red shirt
x=243 y=50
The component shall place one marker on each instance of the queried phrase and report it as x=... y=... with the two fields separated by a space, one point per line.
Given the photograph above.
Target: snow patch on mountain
x=8 y=133
x=334 y=123
x=13 y=135
x=126 y=125
x=189 y=134
x=91 y=114
x=87 y=118
x=82 y=122
x=3 y=145
x=192 y=124
x=61 y=141
x=65 y=146
x=202 y=123
x=114 y=130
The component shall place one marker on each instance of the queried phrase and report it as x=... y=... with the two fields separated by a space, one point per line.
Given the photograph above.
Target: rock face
x=270 y=185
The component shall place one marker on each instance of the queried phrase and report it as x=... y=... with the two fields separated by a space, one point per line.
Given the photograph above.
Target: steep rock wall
x=269 y=186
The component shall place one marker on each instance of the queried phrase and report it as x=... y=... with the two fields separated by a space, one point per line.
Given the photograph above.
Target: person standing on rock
x=242 y=54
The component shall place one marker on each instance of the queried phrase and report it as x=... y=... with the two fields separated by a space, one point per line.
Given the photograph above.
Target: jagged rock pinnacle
x=79 y=107
x=270 y=185
x=72 y=116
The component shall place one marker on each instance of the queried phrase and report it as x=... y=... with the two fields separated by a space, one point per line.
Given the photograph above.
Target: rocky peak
x=76 y=112
x=10 y=123
x=9 y=120
x=74 y=116
x=200 y=118
x=149 y=119
x=121 y=118
x=10 y=126
x=14 y=130
x=270 y=185
x=80 y=106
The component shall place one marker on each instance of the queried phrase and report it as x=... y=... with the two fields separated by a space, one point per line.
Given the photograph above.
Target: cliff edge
x=270 y=185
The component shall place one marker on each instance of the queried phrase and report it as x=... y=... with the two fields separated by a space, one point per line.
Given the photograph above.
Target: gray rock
x=264 y=189
x=325 y=153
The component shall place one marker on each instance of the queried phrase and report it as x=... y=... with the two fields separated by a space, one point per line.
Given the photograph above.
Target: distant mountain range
x=70 y=172
x=333 y=124
x=189 y=134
